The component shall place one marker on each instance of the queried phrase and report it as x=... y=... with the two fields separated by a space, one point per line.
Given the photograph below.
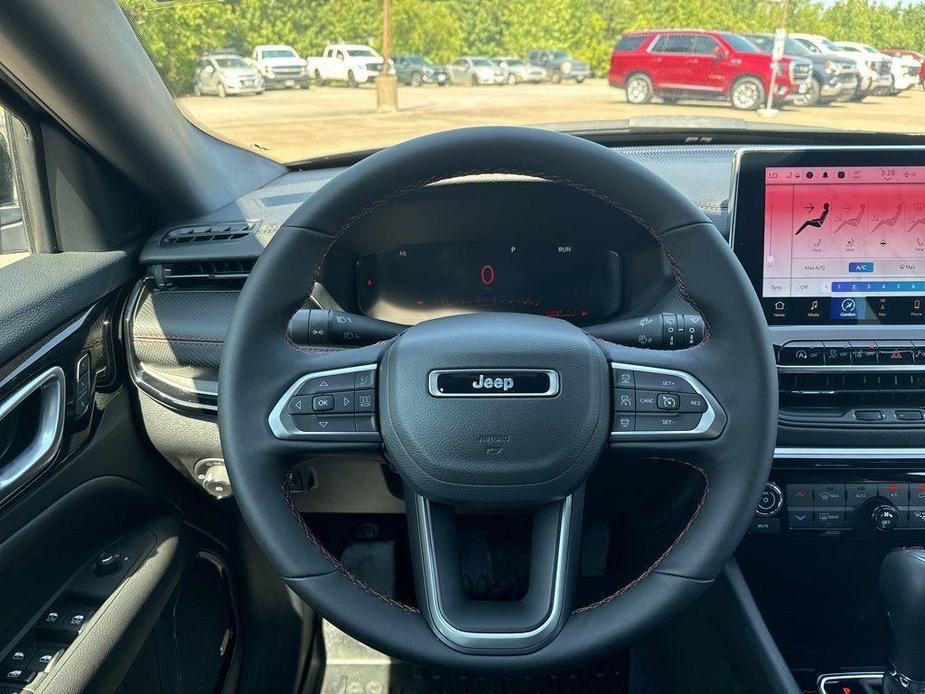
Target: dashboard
x=830 y=239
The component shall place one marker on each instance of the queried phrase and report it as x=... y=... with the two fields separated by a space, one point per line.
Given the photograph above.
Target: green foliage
x=442 y=30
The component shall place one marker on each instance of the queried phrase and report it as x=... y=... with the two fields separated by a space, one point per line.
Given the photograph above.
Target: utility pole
x=386 y=83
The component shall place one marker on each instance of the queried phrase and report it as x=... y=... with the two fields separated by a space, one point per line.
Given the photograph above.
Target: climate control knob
x=884 y=517
x=770 y=502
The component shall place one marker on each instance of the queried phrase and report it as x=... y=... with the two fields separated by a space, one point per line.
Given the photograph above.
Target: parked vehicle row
x=678 y=64
x=224 y=72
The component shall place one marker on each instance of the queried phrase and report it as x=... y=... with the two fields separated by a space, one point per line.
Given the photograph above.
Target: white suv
x=904 y=71
x=870 y=71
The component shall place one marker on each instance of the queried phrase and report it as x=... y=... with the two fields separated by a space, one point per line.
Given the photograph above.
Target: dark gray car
x=832 y=77
x=560 y=65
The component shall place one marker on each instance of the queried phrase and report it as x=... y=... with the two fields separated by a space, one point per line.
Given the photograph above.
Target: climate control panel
x=800 y=502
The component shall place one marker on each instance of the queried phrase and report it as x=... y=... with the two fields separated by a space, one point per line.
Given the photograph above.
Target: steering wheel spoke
x=471 y=625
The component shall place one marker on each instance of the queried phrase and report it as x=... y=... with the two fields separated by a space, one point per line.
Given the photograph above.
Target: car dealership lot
x=298 y=124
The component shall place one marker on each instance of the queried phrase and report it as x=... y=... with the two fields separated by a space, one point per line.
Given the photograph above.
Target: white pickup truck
x=280 y=66
x=345 y=62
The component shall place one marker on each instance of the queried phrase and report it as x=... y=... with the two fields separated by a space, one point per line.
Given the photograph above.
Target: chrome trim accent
x=791 y=453
x=46 y=348
x=433 y=389
x=151 y=383
x=492 y=641
x=50 y=423
x=825 y=679
x=712 y=422
x=850 y=368
x=777 y=507
x=281 y=422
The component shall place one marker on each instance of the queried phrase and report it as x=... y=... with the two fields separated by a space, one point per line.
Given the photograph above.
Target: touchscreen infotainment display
x=831 y=240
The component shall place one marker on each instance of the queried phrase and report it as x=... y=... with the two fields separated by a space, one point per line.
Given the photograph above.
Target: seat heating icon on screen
x=815 y=222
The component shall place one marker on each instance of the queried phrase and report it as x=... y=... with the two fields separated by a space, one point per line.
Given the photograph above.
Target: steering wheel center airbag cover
x=530 y=428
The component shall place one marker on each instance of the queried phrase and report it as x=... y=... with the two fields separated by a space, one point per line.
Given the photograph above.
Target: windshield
x=277 y=53
x=230 y=62
x=321 y=90
x=740 y=43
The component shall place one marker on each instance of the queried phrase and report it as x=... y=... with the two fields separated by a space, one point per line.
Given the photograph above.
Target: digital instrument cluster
x=578 y=283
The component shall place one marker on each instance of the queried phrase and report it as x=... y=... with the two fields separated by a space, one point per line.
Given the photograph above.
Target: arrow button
x=316 y=424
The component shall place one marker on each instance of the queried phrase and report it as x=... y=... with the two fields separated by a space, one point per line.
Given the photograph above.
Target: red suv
x=696 y=64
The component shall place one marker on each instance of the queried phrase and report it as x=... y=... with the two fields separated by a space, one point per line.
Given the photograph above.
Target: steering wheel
x=499 y=410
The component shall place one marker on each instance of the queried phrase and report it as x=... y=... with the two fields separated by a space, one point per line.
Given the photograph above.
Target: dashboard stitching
x=341 y=569
x=636 y=581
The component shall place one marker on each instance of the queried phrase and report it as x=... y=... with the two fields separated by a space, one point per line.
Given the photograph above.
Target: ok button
x=668 y=401
x=323 y=403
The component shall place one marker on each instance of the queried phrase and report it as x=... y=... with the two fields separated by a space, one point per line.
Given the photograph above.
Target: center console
x=833 y=241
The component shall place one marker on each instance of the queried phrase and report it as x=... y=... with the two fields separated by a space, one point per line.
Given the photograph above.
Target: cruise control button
x=668 y=401
x=327 y=384
x=801 y=354
x=646 y=380
x=692 y=402
x=660 y=422
x=365 y=401
x=646 y=401
x=320 y=403
x=624 y=378
x=624 y=400
x=624 y=422
x=321 y=424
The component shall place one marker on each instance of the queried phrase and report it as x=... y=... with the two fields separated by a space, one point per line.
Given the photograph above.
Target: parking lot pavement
x=294 y=125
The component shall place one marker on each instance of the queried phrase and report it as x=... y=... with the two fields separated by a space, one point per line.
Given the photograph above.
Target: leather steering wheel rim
x=735 y=362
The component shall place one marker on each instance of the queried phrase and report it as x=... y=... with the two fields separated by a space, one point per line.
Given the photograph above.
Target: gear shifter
x=902 y=584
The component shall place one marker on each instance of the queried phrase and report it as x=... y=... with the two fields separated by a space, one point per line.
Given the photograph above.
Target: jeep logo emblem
x=493 y=383
x=504 y=384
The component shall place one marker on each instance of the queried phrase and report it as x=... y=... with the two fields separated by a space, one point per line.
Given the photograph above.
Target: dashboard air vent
x=202 y=273
x=208 y=233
